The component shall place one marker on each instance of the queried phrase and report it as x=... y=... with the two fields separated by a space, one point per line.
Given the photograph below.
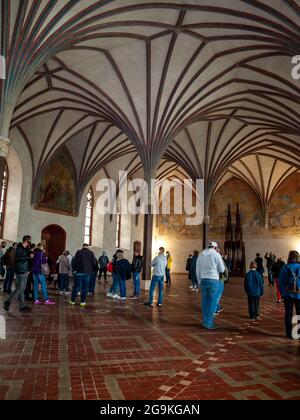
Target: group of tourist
x=207 y=271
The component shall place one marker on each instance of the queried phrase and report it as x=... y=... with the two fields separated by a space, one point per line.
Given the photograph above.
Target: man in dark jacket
x=124 y=272
x=260 y=264
x=276 y=270
x=136 y=268
x=83 y=265
x=271 y=259
x=254 y=288
x=193 y=271
x=9 y=261
x=103 y=262
x=22 y=260
x=188 y=266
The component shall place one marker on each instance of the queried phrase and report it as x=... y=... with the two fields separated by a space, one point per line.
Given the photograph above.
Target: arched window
x=3 y=199
x=89 y=217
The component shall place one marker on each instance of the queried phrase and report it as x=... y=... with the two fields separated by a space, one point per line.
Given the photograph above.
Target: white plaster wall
x=125 y=241
x=280 y=246
x=180 y=250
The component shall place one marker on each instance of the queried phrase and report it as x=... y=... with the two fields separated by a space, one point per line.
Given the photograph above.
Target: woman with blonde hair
x=169 y=268
x=39 y=271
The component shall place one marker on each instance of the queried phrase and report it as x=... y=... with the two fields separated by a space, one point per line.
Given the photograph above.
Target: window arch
x=89 y=217
x=3 y=199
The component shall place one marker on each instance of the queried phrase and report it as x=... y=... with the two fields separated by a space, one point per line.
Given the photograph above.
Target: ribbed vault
x=154 y=68
x=205 y=85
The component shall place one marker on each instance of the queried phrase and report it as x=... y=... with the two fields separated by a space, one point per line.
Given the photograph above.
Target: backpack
x=9 y=258
x=4 y=259
x=110 y=267
x=294 y=281
x=128 y=271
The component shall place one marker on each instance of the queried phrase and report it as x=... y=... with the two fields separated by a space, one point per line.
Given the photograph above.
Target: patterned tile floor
x=118 y=351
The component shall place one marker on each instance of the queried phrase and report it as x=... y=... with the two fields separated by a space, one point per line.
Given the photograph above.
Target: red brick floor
x=113 y=350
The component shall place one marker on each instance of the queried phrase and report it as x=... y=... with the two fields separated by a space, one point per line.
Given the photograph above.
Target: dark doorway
x=54 y=241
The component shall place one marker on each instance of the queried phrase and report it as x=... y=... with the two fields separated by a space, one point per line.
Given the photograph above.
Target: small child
x=254 y=288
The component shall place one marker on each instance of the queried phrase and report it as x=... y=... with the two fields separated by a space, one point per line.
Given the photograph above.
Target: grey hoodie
x=159 y=264
x=210 y=265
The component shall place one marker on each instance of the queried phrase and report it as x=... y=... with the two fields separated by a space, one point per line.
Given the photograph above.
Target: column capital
x=4 y=146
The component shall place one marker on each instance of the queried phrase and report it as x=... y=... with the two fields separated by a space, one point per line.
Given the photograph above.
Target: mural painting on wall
x=174 y=225
x=235 y=192
x=57 y=190
x=284 y=213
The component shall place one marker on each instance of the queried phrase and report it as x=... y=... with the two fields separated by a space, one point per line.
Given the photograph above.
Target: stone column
x=148 y=238
x=206 y=231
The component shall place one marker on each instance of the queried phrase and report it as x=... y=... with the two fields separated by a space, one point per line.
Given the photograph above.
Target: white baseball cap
x=213 y=245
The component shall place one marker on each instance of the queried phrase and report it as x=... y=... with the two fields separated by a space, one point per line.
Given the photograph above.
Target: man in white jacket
x=159 y=265
x=209 y=267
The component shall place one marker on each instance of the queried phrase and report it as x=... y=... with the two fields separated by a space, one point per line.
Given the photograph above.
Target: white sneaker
x=67 y=293
x=124 y=298
x=191 y=287
x=116 y=297
x=110 y=295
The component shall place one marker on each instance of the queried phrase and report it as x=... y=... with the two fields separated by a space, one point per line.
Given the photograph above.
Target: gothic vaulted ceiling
x=204 y=84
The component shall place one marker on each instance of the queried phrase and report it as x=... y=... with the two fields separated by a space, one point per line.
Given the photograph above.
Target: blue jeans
x=116 y=284
x=210 y=299
x=157 y=280
x=21 y=281
x=81 y=281
x=8 y=280
x=63 y=282
x=270 y=276
x=222 y=287
x=194 y=280
x=123 y=290
x=92 y=283
x=137 y=284
x=39 y=278
x=168 y=276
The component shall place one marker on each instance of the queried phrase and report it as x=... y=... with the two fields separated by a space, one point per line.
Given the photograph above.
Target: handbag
x=45 y=269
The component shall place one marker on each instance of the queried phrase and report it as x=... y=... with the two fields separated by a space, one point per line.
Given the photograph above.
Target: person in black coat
x=103 y=261
x=254 y=288
x=189 y=266
x=83 y=266
x=260 y=264
x=22 y=269
x=276 y=270
x=136 y=268
x=193 y=271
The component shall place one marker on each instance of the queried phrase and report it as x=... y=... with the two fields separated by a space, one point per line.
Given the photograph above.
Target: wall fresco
x=235 y=192
x=57 y=189
x=284 y=213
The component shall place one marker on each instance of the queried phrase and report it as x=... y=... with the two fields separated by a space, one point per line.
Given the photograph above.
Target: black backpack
x=128 y=271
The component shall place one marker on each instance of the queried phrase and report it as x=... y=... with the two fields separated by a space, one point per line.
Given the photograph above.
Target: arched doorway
x=54 y=241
